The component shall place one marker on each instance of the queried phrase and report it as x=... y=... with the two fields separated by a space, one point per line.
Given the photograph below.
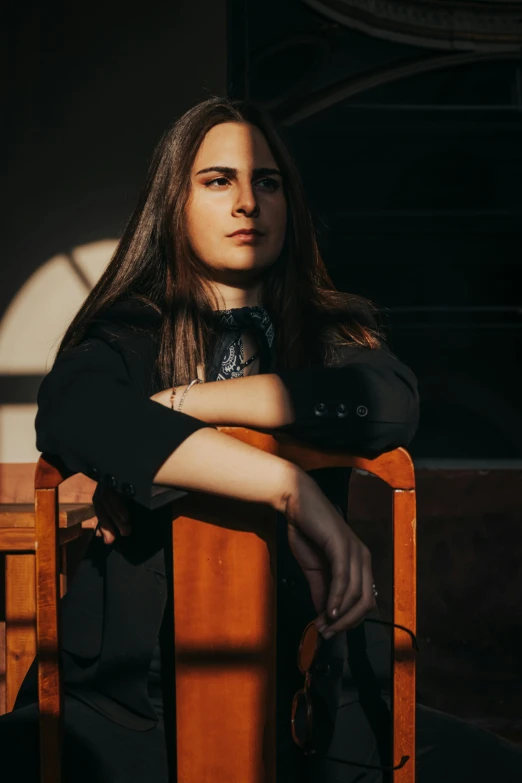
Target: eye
x=217 y=179
x=270 y=183
x=273 y=183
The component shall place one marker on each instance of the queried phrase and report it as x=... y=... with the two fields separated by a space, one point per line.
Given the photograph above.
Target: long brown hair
x=155 y=263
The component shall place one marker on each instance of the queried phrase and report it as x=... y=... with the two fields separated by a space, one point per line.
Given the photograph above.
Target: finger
x=111 y=505
x=109 y=534
x=318 y=584
x=367 y=603
x=339 y=558
x=352 y=595
x=356 y=615
x=119 y=512
x=90 y=523
x=354 y=590
x=105 y=525
x=351 y=600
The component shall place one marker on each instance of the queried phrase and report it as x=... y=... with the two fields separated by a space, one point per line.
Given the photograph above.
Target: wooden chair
x=231 y=736
x=17 y=548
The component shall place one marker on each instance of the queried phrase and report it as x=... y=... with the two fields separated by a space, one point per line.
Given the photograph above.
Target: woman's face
x=247 y=195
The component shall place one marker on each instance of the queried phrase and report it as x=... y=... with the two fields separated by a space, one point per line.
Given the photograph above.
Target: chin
x=255 y=267
x=248 y=258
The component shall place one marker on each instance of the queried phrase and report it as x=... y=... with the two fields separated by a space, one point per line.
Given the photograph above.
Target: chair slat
x=20 y=597
x=225 y=659
x=404 y=613
x=50 y=696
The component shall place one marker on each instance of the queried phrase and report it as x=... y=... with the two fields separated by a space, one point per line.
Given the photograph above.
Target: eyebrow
x=232 y=173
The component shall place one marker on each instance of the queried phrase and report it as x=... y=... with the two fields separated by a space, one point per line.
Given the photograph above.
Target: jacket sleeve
x=367 y=405
x=93 y=418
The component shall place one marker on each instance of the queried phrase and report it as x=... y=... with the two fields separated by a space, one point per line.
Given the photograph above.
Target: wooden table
x=17 y=551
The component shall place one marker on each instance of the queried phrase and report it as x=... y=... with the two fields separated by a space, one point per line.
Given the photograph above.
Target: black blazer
x=95 y=413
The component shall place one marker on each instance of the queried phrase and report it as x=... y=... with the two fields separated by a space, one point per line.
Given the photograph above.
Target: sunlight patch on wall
x=17 y=434
x=31 y=330
x=39 y=314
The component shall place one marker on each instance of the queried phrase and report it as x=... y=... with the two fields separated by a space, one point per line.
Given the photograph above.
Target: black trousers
x=96 y=750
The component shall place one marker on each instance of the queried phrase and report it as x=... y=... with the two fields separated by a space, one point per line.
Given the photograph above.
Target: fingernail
x=334 y=612
x=328 y=634
x=323 y=628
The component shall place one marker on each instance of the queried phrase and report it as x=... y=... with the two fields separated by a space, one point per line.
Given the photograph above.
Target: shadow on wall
x=30 y=332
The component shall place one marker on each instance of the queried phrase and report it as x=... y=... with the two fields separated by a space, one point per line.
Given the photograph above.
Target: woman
x=186 y=298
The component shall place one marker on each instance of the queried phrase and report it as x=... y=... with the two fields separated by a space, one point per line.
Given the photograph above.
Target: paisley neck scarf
x=229 y=359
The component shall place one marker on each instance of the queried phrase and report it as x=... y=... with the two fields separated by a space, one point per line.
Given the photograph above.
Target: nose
x=246 y=203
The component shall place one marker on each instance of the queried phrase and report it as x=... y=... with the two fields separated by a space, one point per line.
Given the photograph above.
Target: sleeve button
x=128 y=489
x=111 y=480
x=362 y=410
x=95 y=473
x=342 y=410
x=320 y=409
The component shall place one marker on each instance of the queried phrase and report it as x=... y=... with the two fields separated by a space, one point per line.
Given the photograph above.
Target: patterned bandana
x=229 y=359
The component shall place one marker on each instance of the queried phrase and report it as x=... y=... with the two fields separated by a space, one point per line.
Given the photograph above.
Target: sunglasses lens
x=308 y=647
x=300 y=718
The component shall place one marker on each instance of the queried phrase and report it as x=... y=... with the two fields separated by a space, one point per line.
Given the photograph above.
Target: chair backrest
x=225 y=619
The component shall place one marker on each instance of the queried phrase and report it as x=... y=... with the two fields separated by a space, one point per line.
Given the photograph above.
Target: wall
x=88 y=98
x=411 y=156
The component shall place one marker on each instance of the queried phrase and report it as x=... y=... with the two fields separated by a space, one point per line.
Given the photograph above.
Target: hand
x=334 y=560
x=112 y=514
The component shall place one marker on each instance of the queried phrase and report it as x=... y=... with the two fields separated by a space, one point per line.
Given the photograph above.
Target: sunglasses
x=305 y=703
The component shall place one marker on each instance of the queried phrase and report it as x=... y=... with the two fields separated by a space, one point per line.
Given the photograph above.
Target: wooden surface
x=225 y=615
x=395 y=468
x=404 y=538
x=20 y=597
x=17 y=563
x=23 y=539
x=22 y=514
x=3 y=685
x=17 y=485
x=50 y=697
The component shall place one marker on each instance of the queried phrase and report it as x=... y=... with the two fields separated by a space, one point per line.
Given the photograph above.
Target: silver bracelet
x=196 y=380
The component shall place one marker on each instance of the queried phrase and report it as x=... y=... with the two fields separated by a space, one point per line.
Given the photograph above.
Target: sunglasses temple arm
x=414 y=642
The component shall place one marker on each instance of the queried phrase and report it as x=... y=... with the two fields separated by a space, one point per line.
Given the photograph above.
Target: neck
x=228 y=297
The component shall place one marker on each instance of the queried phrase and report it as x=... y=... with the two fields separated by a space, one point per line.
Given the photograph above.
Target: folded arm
x=97 y=416
x=94 y=413
x=368 y=404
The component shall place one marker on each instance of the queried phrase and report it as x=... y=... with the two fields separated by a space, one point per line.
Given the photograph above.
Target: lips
x=247 y=232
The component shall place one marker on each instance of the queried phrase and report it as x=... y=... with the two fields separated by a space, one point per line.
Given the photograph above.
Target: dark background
x=411 y=156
